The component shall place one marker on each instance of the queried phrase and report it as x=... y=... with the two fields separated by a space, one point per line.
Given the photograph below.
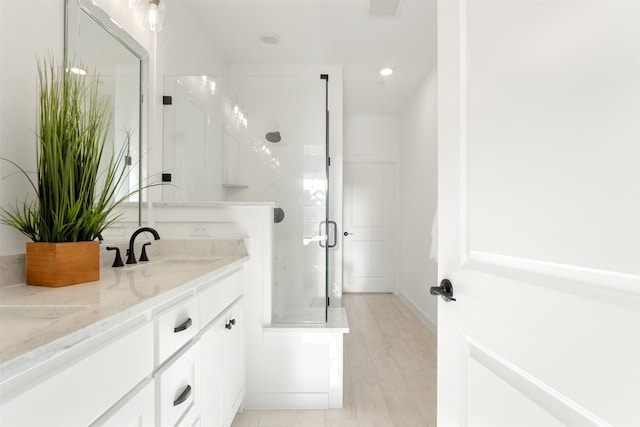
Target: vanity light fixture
x=386 y=72
x=154 y=14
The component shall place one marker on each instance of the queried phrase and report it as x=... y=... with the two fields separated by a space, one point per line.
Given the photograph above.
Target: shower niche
x=259 y=139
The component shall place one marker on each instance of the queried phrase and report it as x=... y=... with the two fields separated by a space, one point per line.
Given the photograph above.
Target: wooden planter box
x=62 y=264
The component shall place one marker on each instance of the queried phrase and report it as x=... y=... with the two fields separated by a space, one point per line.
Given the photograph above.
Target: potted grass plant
x=76 y=182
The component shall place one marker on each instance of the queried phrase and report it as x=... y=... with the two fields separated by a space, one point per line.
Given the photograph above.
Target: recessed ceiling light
x=270 y=38
x=386 y=72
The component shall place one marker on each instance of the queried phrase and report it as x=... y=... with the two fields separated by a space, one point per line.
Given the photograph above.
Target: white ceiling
x=332 y=32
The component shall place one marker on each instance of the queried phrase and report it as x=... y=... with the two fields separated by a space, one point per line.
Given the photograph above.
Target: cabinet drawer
x=137 y=410
x=175 y=327
x=178 y=387
x=191 y=419
x=81 y=391
x=219 y=296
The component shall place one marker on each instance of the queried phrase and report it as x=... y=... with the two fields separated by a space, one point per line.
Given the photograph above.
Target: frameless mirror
x=96 y=43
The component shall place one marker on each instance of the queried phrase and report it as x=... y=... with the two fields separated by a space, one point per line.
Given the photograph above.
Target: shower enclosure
x=260 y=139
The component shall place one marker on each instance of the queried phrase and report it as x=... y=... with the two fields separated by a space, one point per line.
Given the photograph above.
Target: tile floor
x=389 y=372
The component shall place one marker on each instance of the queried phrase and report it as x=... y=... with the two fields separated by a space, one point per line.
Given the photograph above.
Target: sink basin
x=28 y=315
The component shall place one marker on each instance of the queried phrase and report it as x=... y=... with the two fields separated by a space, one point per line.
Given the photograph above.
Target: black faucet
x=131 y=258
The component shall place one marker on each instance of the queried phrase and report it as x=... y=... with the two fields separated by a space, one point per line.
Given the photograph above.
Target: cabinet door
x=212 y=344
x=233 y=363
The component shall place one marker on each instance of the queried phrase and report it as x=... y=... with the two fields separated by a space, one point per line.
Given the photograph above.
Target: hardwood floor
x=389 y=372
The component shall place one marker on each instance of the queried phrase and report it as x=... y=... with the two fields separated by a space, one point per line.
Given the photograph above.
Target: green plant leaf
x=78 y=178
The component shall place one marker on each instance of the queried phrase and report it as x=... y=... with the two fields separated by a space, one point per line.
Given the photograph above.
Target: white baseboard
x=431 y=324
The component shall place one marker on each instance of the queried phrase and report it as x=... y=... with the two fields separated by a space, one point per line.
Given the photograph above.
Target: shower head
x=273 y=136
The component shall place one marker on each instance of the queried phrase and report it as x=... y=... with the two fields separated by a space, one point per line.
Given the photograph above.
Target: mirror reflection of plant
x=75 y=197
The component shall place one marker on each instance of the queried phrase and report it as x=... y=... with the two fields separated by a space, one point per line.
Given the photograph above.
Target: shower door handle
x=335 y=234
x=322 y=234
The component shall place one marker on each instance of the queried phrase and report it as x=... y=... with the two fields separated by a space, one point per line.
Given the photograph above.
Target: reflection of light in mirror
x=212 y=87
x=204 y=80
x=131 y=4
x=154 y=15
x=78 y=71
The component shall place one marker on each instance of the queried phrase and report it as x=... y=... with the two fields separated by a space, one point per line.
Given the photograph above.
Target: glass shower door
x=259 y=139
x=300 y=267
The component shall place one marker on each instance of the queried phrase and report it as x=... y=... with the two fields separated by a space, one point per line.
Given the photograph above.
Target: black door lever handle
x=445 y=290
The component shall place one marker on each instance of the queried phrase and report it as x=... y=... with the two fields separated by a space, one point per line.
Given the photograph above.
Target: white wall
x=185 y=45
x=371 y=136
x=418 y=198
x=24 y=25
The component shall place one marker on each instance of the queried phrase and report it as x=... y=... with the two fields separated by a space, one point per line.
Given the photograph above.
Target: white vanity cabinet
x=178 y=363
x=203 y=384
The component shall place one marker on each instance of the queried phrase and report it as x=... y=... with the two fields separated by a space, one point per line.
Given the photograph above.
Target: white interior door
x=539 y=220
x=369 y=245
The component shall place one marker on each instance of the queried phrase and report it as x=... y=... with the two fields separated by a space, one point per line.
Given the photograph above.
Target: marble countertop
x=39 y=323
